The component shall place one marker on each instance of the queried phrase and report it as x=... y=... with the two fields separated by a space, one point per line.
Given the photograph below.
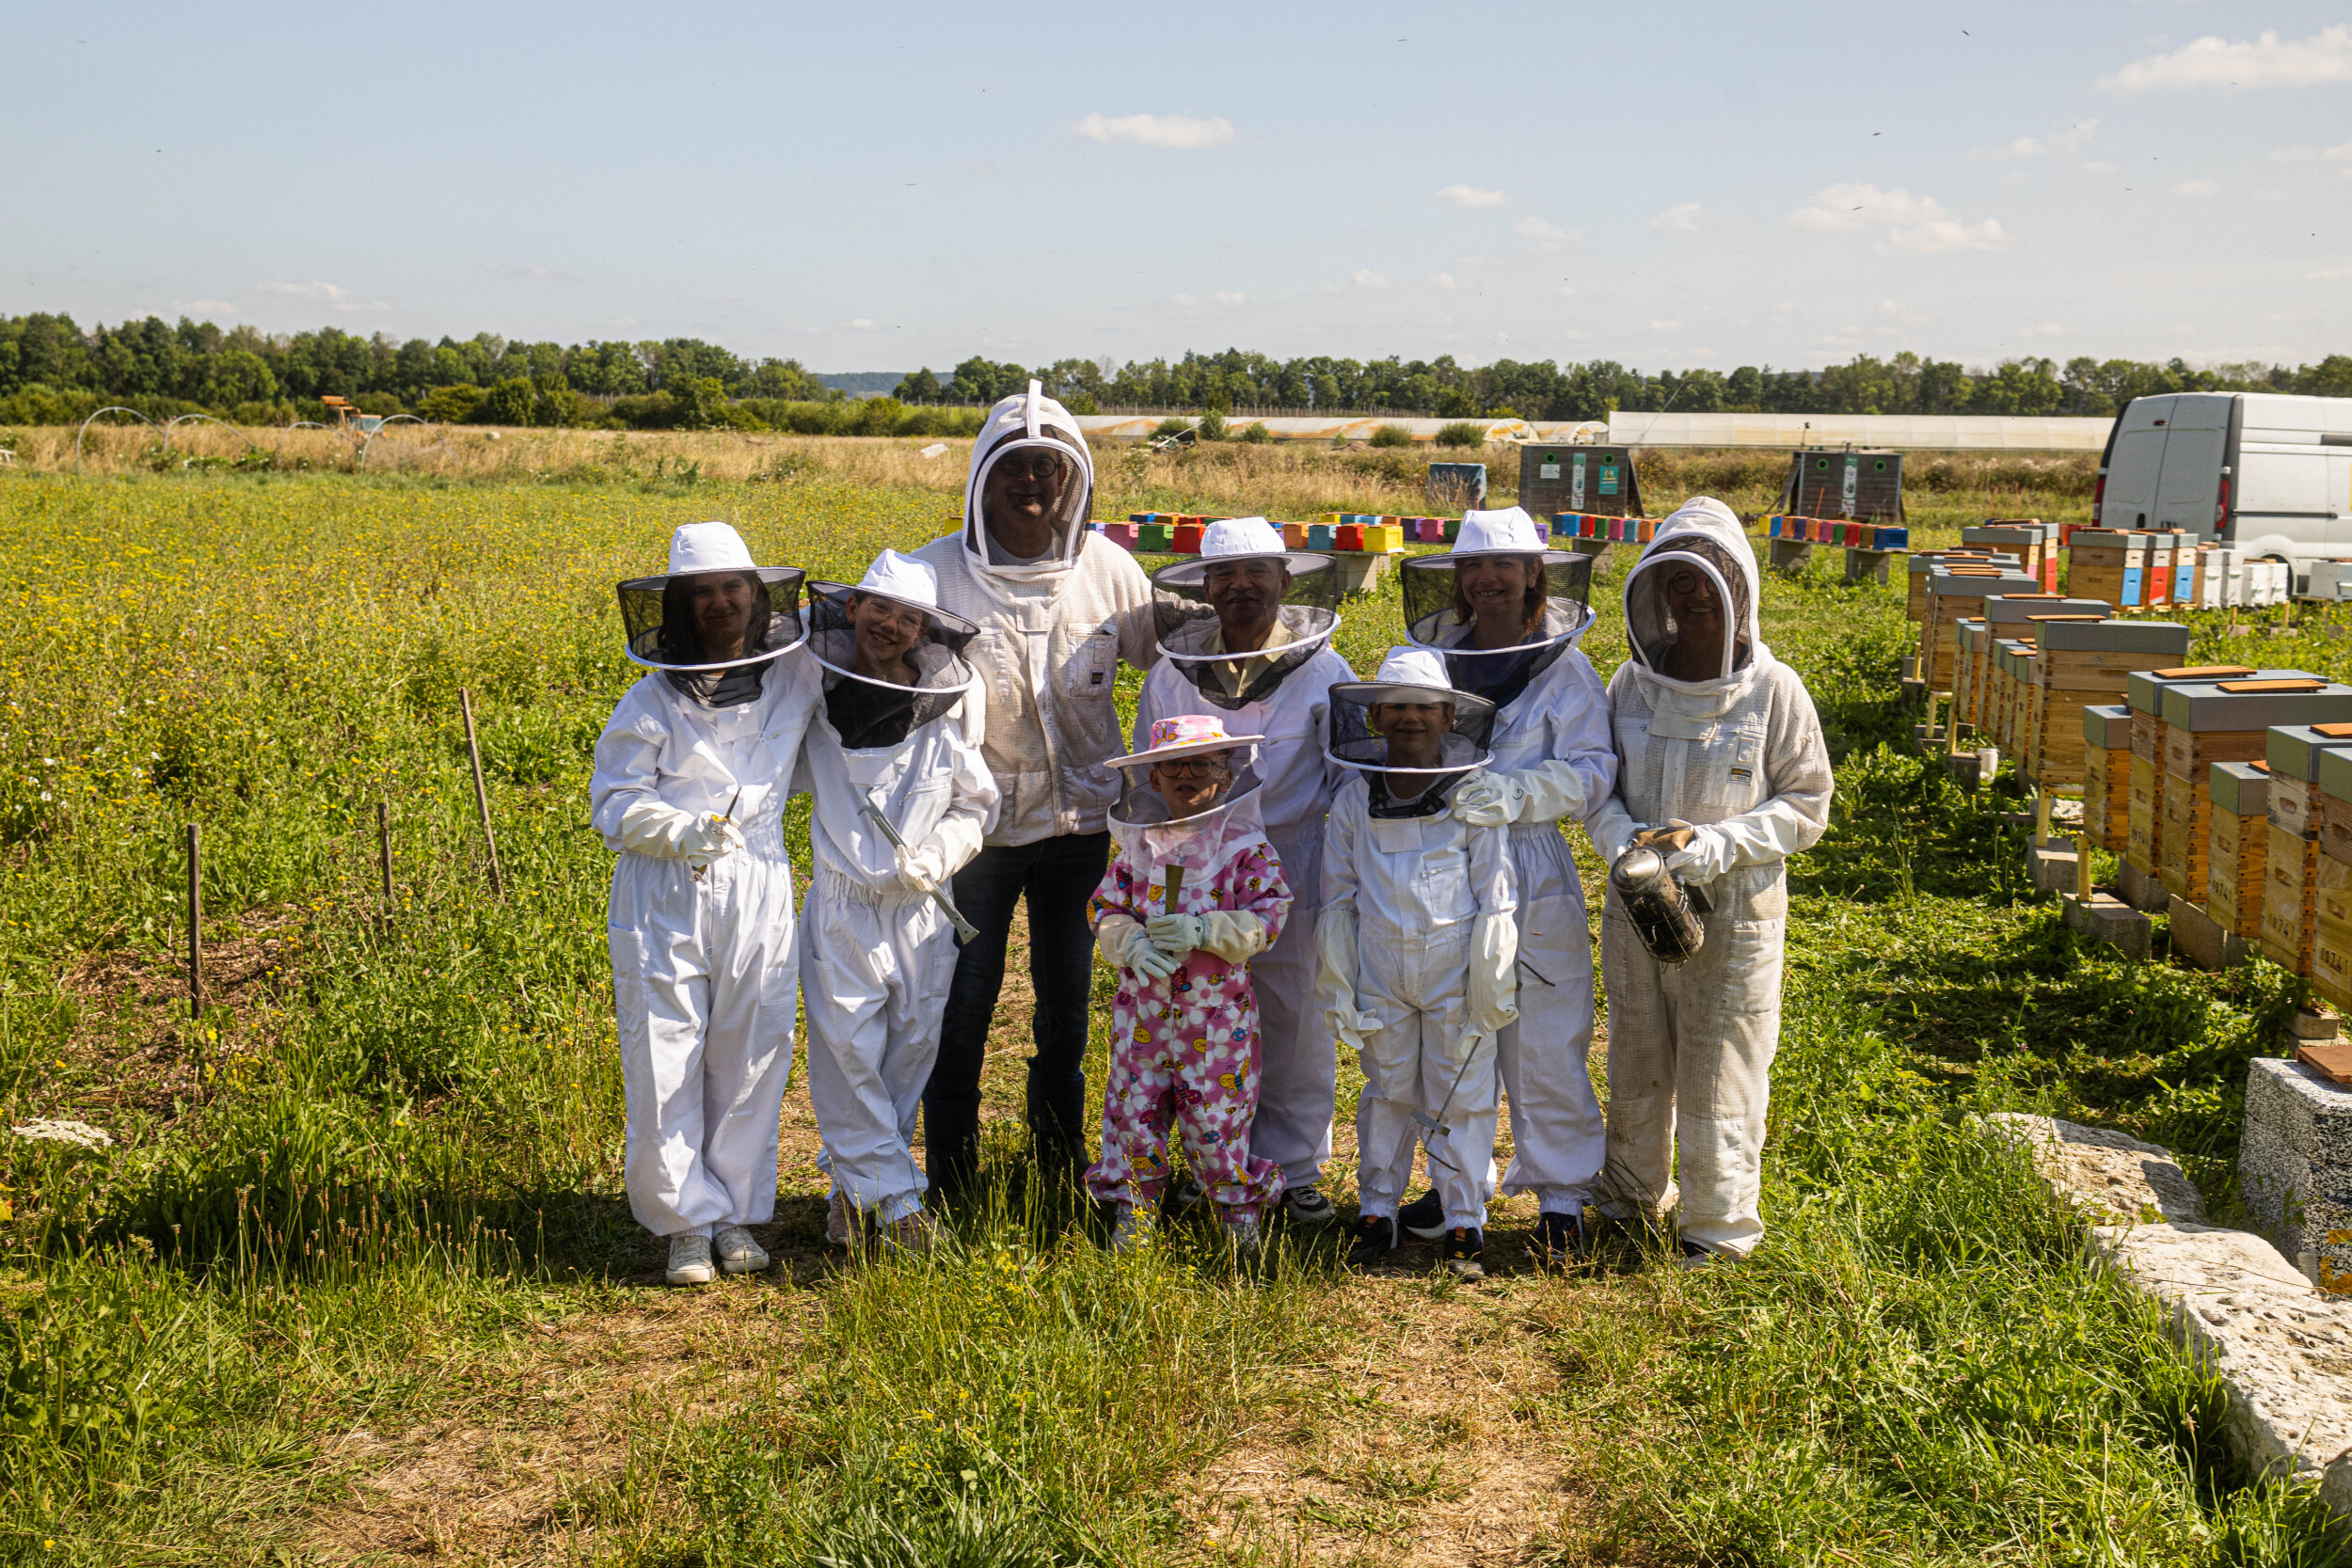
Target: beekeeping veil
x=1703 y=536
x=877 y=710
x=1416 y=676
x=673 y=623
x=1029 y=422
x=1440 y=614
x=1243 y=572
x=1201 y=843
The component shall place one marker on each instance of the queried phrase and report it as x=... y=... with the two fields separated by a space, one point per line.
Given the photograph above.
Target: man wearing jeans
x=1057 y=609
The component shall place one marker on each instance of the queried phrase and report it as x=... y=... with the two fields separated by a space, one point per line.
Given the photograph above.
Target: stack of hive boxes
x=2080 y=664
x=1589 y=524
x=2291 y=845
x=2107 y=731
x=2107 y=564
x=1953 y=592
x=1834 y=531
x=2013 y=630
x=1925 y=561
x=2225 y=722
x=2331 y=873
x=2026 y=539
x=2143 y=693
x=2237 y=856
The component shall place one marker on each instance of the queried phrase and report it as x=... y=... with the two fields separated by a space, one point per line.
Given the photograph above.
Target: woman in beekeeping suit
x=900 y=733
x=1717 y=741
x=1244 y=636
x=689 y=785
x=1506 y=614
x=1058 y=606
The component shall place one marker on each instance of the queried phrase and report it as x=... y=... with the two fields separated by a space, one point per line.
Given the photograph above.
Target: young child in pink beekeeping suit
x=1185 y=1044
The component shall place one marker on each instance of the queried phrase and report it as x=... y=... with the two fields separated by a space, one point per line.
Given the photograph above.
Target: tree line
x=53 y=371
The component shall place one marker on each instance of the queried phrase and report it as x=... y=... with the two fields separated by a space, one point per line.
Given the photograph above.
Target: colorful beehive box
x=1349 y=536
x=2225 y=722
x=1953 y=592
x=2107 y=749
x=1451 y=532
x=1155 y=538
x=2107 y=563
x=1122 y=534
x=1384 y=538
x=1294 y=536
x=2237 y=855
x=1184 y=539
x=2023 y=539
x=2143 y=693
x=1322 y=536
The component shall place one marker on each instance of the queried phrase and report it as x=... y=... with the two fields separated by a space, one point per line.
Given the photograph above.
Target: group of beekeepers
x=1282 y=859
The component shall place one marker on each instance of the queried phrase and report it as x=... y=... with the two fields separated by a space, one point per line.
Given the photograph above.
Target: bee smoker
x=1665 y=913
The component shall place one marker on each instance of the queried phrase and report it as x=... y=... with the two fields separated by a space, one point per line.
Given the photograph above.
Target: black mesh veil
x=1649 y=621
x=867 y=712
x=658 y=620
x=1191 y=634
x=1356 y=740
x=1141 y=824
x=1437 y=616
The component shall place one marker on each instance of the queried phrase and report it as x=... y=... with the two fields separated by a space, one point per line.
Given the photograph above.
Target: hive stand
x=1870 y=564
x=2295 y=1166
x=1791 y=556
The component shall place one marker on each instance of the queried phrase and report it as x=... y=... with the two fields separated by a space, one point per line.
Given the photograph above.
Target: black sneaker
x=1376 y=1238
x=1558 y=1240
x=1697 y=1256
x=1424 y=1216
x=1465 y=1252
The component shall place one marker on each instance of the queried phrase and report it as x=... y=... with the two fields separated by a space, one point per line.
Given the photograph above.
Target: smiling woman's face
x=886 y=631
x=1496 y=588
x=721 y=603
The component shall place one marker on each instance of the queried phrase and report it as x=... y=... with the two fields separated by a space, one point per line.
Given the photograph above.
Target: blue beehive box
x=2132 y=576
x=1322 y=536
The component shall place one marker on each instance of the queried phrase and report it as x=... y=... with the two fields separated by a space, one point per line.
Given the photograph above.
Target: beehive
x=1969 y=636
x=2004 y=616
x=2107 y=563
x=2330 y=870
x=2013 y=662
x=2107 y=750
x=2236 y=856
x=2022 y=538
x=1953 y=592
x=1924 y=562
x=2081 y=664
x=2143 y=693
x=1863 y=486
x=2225 y=722
x=2032 y=698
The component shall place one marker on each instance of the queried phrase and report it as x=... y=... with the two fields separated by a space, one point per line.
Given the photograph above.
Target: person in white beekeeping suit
x=1417 y=940
x=1506 y=615
x=1245 y=634
x=1058 y=606
x=898 y=735
x=690 y=777
x=1717 y=742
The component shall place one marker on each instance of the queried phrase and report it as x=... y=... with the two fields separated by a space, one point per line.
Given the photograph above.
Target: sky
x=878 y=186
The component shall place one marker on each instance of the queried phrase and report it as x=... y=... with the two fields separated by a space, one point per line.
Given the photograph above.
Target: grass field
x=354 y=1280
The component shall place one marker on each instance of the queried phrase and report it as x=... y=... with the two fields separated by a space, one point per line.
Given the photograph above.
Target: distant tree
x=1391 y=435
x=451 y=404
x=1212 y=425
x=509 y=403
x=922 y=386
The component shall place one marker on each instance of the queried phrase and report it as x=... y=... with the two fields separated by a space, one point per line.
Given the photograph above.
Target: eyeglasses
x=1687 y=582
x=1194 y=768
x=1035 y=467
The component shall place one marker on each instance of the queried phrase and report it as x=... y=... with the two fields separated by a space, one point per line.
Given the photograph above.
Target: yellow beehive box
x=2106 y=748
x=2237 y=849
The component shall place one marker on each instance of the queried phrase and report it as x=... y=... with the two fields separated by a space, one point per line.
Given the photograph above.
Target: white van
x=2266 y=472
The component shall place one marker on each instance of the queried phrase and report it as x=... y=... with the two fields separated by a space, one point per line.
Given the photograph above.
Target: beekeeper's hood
x=1443 y=596
x=1244 y=566
x=1416 y=676
x=1029 y=421
x=1703 y=535
x=868 y=711
x=1201 y=843
x=668 y=624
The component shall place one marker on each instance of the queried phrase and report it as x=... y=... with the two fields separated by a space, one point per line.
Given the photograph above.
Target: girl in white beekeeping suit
x=1244 y=636
x=1417 y=939
x=1718 y=741
x=689 y=786
x=898 y=735
x=1506 y=614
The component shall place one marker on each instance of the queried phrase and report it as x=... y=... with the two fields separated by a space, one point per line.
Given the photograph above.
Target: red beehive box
x=1351 y=536
x=1189 y=538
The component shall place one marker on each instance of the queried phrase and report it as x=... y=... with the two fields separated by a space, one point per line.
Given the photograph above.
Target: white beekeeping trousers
x=875 y=966
x=703 y=987
x=1299 y=1060
x=1558 y=1135
x=1417 y=985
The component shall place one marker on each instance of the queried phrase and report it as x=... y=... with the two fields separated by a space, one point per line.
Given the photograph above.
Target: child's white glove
x=1174 y=934
x=1125 y=944
x=920 y=867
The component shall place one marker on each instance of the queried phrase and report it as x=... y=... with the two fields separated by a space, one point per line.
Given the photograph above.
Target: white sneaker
x=738 y=1253
x=1137 y=1223
x=1242 y=1231
x=689 y=1261
x=841 y=1221
x=1307 y=1206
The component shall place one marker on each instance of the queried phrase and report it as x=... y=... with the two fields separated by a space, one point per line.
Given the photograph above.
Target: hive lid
x=2203 y=672
x=2253 y=706
x=2240 y=789
x=2143 y=688
x=2314 y=684
x=2164 y=637
x=2293 y=750
x=2107 y=726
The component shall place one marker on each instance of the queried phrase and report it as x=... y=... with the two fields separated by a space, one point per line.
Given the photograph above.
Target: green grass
x=368 y=1204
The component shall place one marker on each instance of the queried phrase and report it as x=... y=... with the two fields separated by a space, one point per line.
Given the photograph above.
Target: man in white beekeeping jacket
x=690 y=784
x=1058 y=606
x=1715 y=736
x=1417 y=941
x=1506 y=614
x=898 y=735
x=1245 y=634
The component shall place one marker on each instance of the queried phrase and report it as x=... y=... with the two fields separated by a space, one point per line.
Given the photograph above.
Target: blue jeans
x=1057 y=876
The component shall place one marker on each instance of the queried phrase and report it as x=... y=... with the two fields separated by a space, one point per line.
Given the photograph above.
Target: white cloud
x=2199 y=187
x=548 y=274
x=2047 y=330
x=2328 y=275
x=2095 y=167
x=1913 y=222
x=1567 y=288
x=1546 y=236
x=1680 y=218
x=1206 y=302
x=316 y=292
x=2341 y=152
x=860 y=324
x=1467 y=196
x=1443 y=280
x=1367 y=278
x=1665 y=327
x=1895 y=310
x=2267 y=62
x=209 y=307
x=2058 y=144
x=1176 y=131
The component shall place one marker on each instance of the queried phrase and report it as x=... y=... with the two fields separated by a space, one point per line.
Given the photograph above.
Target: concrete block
x=1910 y=666
x=2108 y=919
x=2140 y=889
x=2294 y=1165
x=2200 y=938
x=1914 y=690
x=1929 y=738
x=1791 y=555
x=2053 y=868
x=2316 y=1021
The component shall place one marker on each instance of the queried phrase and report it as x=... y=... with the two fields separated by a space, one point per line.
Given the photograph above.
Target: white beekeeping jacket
x=932 y=785
x=662 y=744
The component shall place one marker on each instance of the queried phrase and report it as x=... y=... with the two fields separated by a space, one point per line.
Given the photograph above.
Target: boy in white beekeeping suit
x=1506 y=614
x=689 y=785
x=1718 y=742
x=1417 y=940
x=898 y=735
x=1245 y=632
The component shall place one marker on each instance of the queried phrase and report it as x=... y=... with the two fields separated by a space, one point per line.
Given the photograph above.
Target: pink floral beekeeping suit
x=1185 y=1050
